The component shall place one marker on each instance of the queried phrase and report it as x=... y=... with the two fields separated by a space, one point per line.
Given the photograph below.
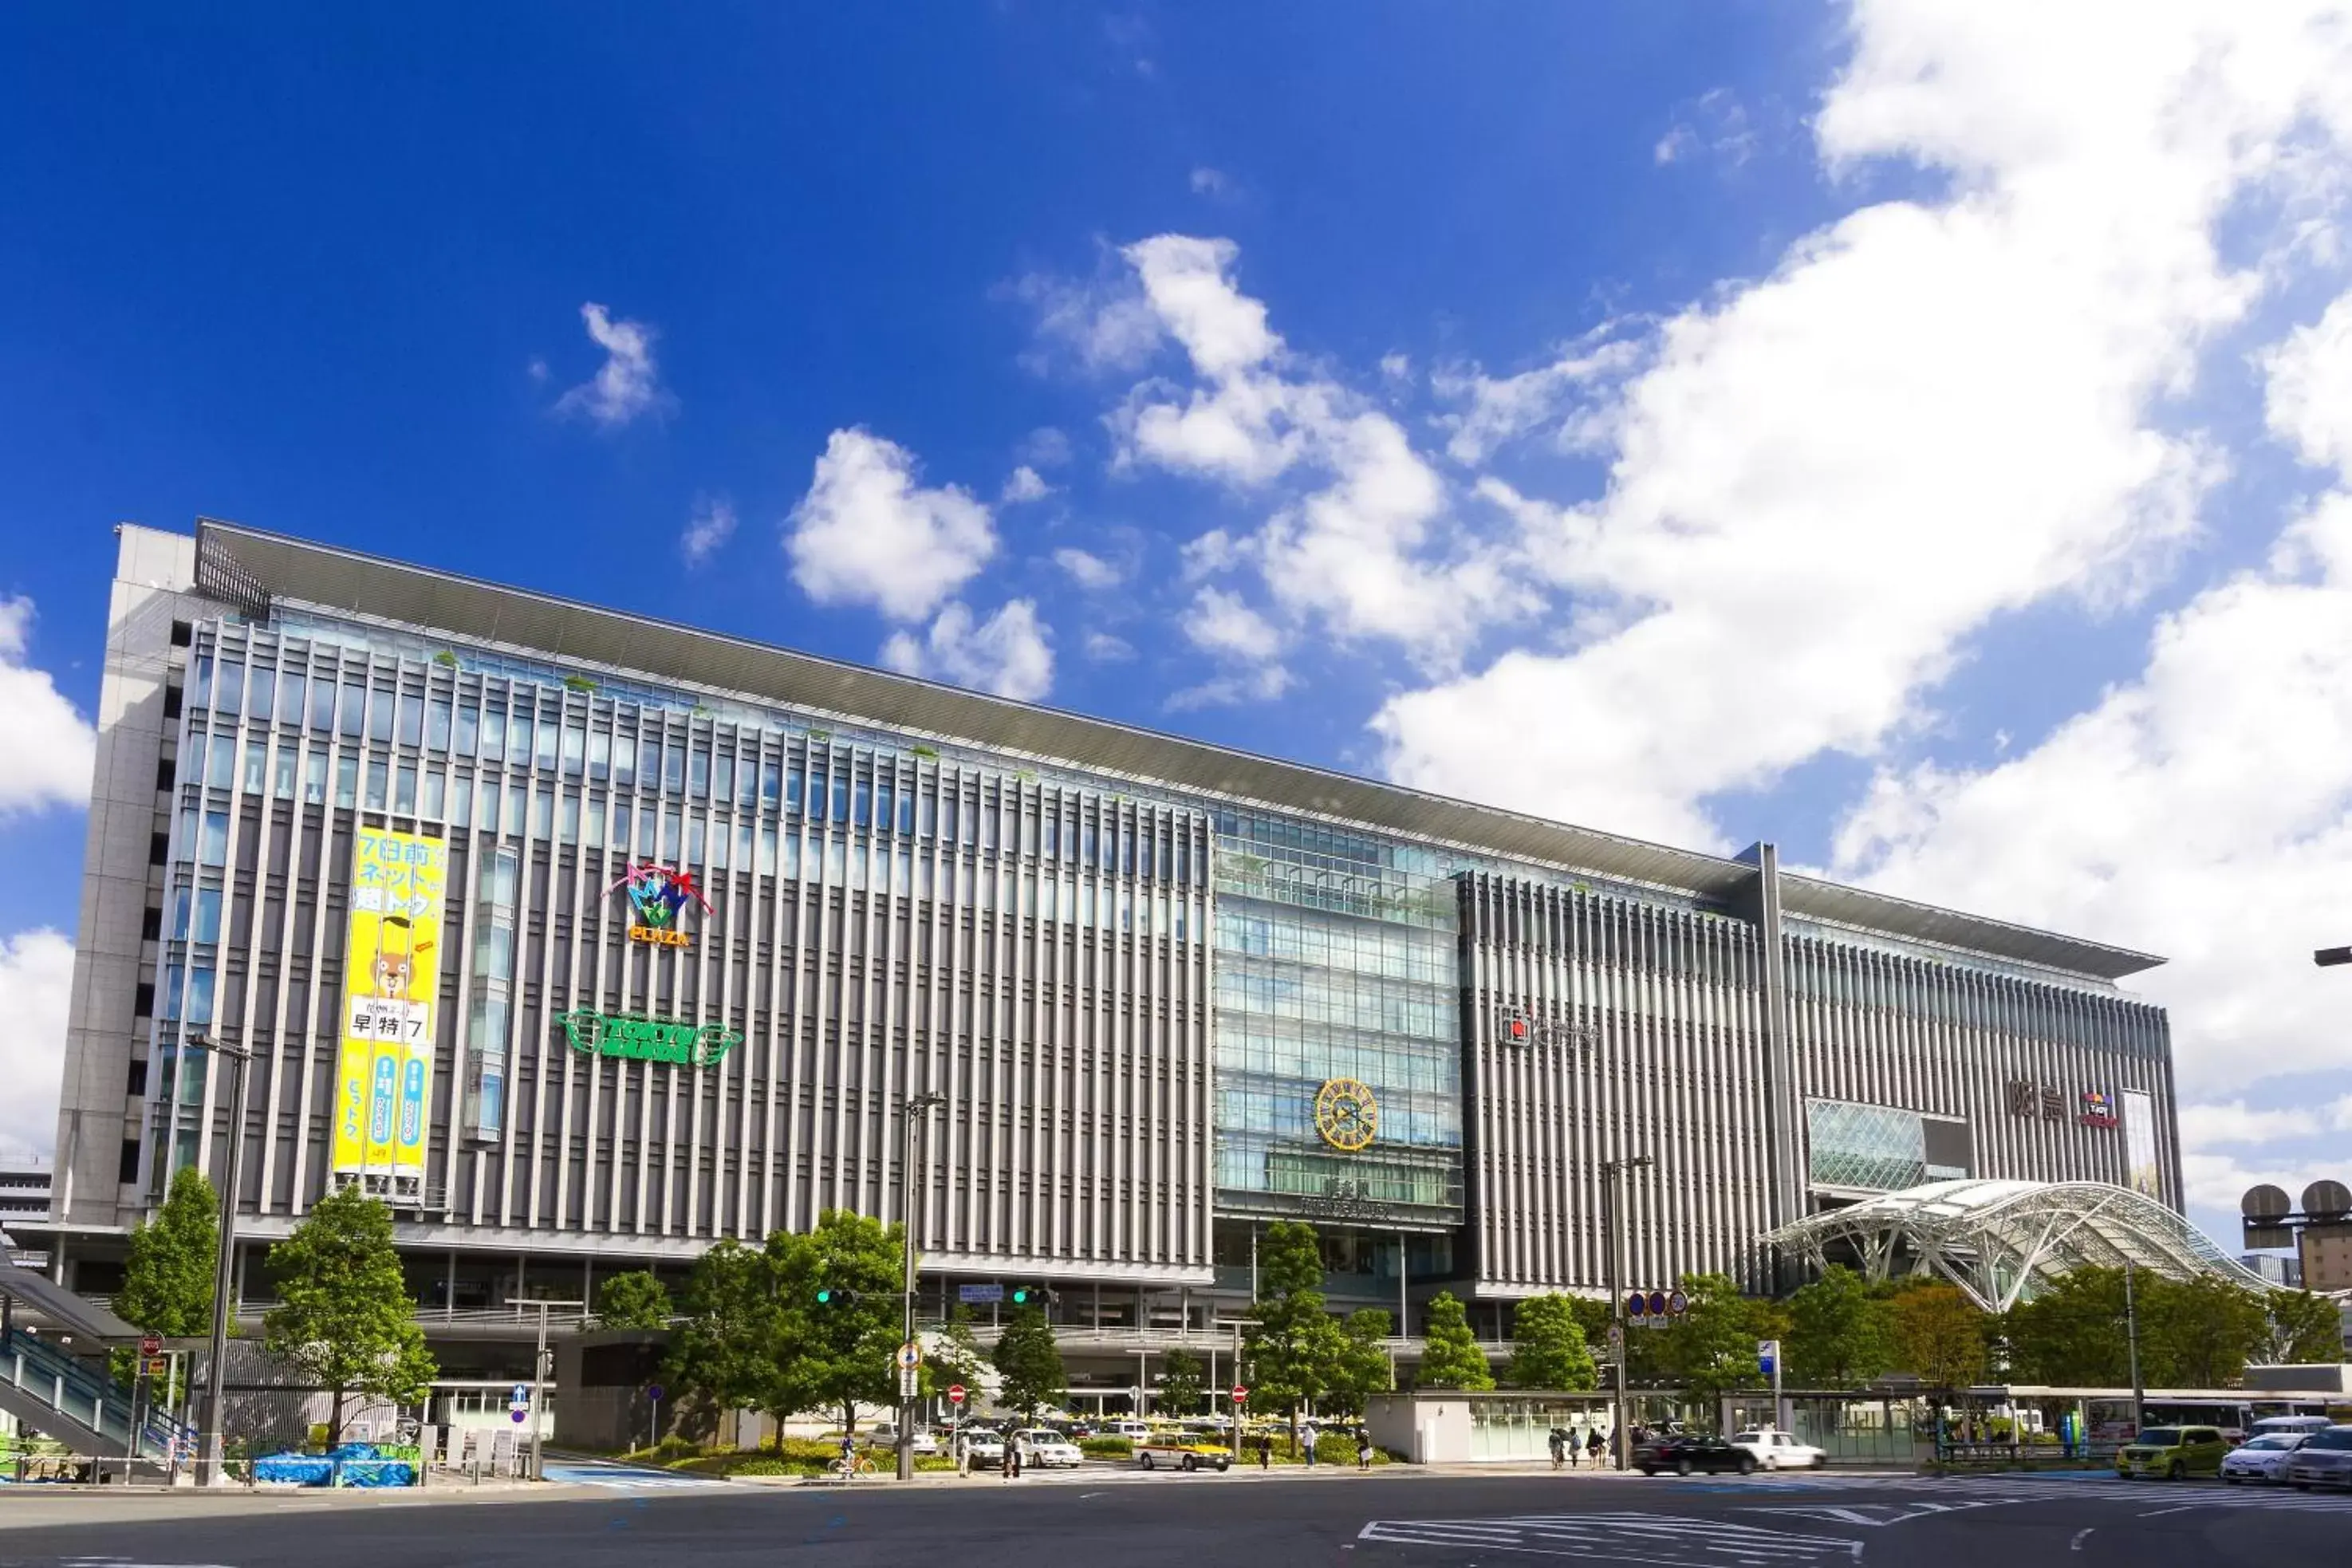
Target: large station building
x=587 y=939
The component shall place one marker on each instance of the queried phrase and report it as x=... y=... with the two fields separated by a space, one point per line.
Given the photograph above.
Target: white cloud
x=1087 y=570
x=712 y=525
x=1500 y=410
x=1220 y=623
x=1931 y=412
x=2310 y=401
x=1396 y=366
x=2234 y=1123
x=1369 y=554
x=1263 y=684
x=629 y=383
x=1207 y=181
x=2202 y=811
x=866 y=532
x=1025 y=485
x=1007 y=655
x=1104 y=648
x=35 y=981
x=1103 y=324
x=1045 y=448
x=47 y=751
x=1715 y=122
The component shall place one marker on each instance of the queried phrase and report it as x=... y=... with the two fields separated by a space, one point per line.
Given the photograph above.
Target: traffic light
x=834 y=1296
x=1022 y=1295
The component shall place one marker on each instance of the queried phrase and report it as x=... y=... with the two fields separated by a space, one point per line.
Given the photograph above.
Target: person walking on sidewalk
x=1363 y=1448
x=1558 y=1447
x=1592 y=1446
x=1265 y=1450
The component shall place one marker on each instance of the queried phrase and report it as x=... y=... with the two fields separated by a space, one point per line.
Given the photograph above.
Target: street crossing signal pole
x=1612 y=1232
x=539 y=1376
x=209 y=1470
x=917 y=1105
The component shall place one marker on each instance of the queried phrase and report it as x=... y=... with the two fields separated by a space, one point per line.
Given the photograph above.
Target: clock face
x=1346 y=1114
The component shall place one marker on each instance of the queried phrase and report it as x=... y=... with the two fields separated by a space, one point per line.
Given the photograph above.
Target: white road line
x=2077 y=1544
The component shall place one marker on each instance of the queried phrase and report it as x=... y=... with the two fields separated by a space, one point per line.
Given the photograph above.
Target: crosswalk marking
x=1621 y=1537
x=2071 y=1485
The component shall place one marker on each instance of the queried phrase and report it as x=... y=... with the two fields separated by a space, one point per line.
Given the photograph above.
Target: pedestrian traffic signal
x=1022 y=1295
x=833 y=1296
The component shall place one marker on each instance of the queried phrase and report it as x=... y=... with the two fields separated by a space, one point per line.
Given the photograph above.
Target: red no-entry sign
x=1241 y=1394
x=955 y=1394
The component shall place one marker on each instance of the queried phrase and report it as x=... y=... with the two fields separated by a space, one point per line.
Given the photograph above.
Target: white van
x=2305 y=1425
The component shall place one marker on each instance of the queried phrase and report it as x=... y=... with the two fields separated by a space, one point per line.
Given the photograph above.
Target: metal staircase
x=86 y=1410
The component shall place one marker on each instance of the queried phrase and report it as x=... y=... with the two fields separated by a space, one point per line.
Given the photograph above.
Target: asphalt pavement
x=1122 y=1519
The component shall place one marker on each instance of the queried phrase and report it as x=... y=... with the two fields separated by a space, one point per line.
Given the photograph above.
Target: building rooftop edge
x=339 y=579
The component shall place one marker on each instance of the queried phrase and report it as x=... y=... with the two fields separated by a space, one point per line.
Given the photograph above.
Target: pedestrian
x=1575 y=1447
x=1592 y=1446
x=1559 y=1440
x=1364 y=1448
x=1005 y=1461
x=1265 y=1450
x=1309 y=1434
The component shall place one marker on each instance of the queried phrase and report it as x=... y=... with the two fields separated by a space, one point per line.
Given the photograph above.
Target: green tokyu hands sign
x=635 y=1038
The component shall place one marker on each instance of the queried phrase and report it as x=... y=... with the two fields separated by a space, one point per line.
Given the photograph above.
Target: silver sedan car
x=2324 y=1460
x=2262 y=1460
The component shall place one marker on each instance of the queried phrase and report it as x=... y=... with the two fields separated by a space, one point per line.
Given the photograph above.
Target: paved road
x=1128 y=1520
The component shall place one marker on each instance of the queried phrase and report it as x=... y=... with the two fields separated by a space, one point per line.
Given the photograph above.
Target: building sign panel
x=384 y=1064
x=633 y=1036
x=2142 y=1172
x=2043 y=1101
x=657 y=897
x=2097 y=1109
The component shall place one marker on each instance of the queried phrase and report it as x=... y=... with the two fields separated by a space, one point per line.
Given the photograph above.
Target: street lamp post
x=2131 y=1339
x=917 y=1105
x=209 y=1471
x=539 y=1373
x=1612 y=1199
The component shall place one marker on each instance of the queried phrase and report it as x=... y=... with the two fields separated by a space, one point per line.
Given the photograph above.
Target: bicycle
x=850 y=1469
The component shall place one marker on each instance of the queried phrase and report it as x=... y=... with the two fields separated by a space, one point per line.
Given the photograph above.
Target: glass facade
x=1337 y=960
x=1879 y=1148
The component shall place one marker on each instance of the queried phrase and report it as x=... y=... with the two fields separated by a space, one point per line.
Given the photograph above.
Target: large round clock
x=1346 y=1114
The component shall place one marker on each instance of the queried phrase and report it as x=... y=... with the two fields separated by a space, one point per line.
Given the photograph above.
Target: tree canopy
x=723 y=1354
x=1182 y=1381
x=1939 y=1334
x=344 y=1318
x=1361 y=1367
x=2193 y=1333
x=1549 y=1346
x=836 y=1352
x=635 y=1299
x=2303 y=1328
x=1028 y=1364
x=1841 y=1331
x=1450 y=1356
x=1711 y=1348
x=1292 y=1344
x=167 y=1281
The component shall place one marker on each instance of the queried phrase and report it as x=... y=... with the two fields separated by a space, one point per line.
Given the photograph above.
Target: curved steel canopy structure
x=2001 y=1241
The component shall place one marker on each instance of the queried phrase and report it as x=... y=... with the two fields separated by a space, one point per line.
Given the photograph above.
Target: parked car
x=1685 y=1452
x=2262 y=1459
x=983 y=1447
x=2324 y=1460
x=884 y=1435
x=1182 y=1451
x=2173 y=1452
x=1777 y=1451
x=1047 y=1449
x=1127 y=1427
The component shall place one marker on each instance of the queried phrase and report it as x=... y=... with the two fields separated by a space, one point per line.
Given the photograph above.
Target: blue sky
x=1918 y=439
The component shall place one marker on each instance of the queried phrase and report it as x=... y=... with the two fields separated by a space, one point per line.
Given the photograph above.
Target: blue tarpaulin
x=350 y=1465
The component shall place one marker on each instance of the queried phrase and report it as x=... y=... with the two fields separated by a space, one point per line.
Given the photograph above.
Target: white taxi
x=1773 y=1449
x=1047 y=1449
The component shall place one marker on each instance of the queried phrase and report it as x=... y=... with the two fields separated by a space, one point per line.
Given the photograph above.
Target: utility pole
x=2131 y=1338
x=538 y=1375
x=1613 y=1205
x=209 y=1471
x=917 y=1105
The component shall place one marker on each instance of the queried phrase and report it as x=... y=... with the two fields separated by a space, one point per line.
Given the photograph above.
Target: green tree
x=1938 y=1334
x=1362 y=1367
x=1710 y=1349
x=1840 y=1331
x=167 y=1281
x=954 y=1356
x=722 y=1352
x=1181 y=1382
x=2071 y=1332
x=634 y=1301
x=836 y=1354
x=1292 y=1344
x=2303 y=1328
x=2202 y=1330
x=1450 y=1356
x=1028 y=1364
x=344 y=1318
x=1549 y=1347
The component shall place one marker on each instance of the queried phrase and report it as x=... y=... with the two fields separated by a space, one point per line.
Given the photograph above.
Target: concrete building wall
x=121 y=878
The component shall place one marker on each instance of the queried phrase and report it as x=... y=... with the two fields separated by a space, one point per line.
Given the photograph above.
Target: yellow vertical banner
x=384 y=1066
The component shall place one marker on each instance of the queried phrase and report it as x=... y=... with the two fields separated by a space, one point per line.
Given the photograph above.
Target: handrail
x=108 y=1403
